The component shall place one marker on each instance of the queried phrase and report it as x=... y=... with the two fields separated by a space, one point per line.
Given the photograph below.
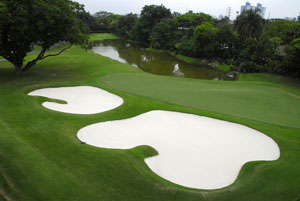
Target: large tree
x=44 y=22
x=125 y=24
x=249 y=24
x=163 y=35
x=205 y=40
x=150 y=16
x=191 y=19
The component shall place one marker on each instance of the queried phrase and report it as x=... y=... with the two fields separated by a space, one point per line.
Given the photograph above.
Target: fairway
x=42 y=159
x=255 y=101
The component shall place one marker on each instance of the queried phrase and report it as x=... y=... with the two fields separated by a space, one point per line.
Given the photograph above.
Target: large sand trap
x=194 y=151
x=80 y=99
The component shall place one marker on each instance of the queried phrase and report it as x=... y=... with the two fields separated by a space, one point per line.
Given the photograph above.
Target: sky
x=275 y=8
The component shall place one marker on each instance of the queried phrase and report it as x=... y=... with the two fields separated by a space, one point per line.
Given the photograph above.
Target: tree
x=226 y=39
x=106 y=21
x=222 y=20
x=150 y=16
x=88 y=20
x=293 y=32
x=205 y=40
x=163 y=35
x=191 y=19
x=293 y=58
x=249 y=24
x=125 y=24
x=27 y=22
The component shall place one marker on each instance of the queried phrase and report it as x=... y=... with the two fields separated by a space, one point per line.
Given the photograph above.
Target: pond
x=155 y=62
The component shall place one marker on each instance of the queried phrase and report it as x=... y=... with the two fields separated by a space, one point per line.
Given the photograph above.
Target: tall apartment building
x=262 y=10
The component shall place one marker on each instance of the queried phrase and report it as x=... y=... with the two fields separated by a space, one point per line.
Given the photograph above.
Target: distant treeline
x=249 y=43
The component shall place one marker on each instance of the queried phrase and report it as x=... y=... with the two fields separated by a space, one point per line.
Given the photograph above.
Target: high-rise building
x=261 y=12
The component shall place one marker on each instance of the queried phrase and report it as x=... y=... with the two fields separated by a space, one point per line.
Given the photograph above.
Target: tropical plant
x=249 y=24
x=205 y=40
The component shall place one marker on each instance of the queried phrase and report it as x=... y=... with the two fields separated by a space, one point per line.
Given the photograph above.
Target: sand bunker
x=194 y=151
x=80 y=99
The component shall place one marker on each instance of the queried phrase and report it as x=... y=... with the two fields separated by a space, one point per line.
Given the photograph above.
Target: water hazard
x=154 y=62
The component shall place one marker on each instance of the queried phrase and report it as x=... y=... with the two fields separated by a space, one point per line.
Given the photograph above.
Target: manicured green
x=41 y=158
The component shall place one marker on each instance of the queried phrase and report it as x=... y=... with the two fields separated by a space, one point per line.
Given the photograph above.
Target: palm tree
x=249 y=24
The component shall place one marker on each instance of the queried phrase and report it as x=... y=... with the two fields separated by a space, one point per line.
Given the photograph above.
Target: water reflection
x=156 y=63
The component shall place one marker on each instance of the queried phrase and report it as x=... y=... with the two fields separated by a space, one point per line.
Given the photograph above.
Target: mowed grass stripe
x=265 y=103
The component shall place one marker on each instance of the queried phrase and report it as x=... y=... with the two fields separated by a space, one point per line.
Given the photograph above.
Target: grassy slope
x=103 y=36
x=41 y=159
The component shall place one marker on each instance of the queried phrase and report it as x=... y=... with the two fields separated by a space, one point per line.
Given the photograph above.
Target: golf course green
x=42 y=159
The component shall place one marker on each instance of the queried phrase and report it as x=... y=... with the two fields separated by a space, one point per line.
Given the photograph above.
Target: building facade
x=248 y=6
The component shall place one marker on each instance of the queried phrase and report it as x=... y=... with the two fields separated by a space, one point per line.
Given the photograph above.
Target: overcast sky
x=275 y=8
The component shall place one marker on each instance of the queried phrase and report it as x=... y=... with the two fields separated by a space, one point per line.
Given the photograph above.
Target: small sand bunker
x=194 y=151
x=80 y=99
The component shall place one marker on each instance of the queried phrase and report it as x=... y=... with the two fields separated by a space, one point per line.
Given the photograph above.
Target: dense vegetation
x=24 y=24
x=41 y=158
x=250 y=43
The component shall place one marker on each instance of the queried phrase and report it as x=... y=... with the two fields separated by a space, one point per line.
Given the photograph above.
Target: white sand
x=80 y=99
x=194 y=151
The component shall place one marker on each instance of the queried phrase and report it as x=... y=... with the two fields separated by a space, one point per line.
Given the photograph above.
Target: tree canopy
x=27 y=22
x=191 y=19
x=249 y=24
x=150 y=16
x=163 y=35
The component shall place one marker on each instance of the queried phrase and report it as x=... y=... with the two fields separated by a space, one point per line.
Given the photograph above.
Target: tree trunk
x=28 y=66
x=18 y=68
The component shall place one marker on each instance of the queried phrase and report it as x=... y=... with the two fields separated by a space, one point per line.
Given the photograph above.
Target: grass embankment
x=102 y=36
x=41 y=158
x=193 y=60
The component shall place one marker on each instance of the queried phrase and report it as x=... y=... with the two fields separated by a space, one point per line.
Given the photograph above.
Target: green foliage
x=276 y=42
x=226 y=68
x=253 y=54
x=221 y=21
x=293 y=58
x=205 y=40
x=227 y=40
x=37 y=21
x=150 y=16
x=163 y=35
x=191 y=19
x=279 y=28
x=88 y=20
x=187 y=47
x=253 y=44
x=293 y=32
x=125 y=25
x=249 y=24
x=105 y=21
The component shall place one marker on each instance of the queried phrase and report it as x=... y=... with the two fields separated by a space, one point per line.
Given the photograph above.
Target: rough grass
x=41 y=158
